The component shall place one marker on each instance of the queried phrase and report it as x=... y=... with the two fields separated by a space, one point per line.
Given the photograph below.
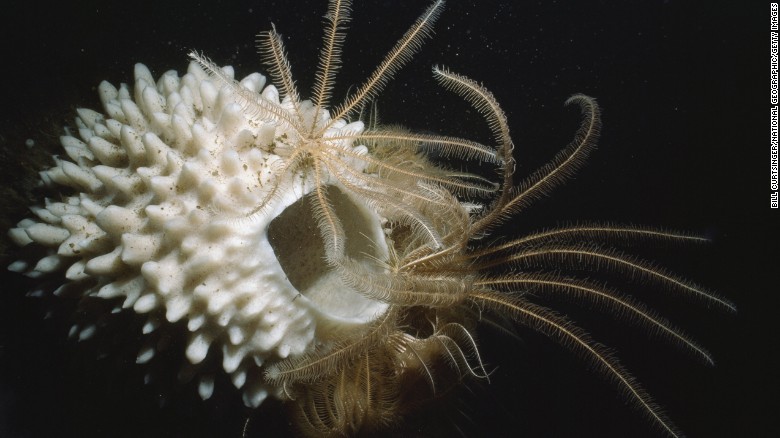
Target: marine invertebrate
x=192 y=197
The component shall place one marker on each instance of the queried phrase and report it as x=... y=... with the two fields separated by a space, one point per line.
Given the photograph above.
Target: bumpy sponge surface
x=164 y=220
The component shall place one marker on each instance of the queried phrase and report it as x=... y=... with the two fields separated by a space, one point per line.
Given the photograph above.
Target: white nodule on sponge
x=206 y=387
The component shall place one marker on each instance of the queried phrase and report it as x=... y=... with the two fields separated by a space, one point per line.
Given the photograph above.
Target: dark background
x=684 y=91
